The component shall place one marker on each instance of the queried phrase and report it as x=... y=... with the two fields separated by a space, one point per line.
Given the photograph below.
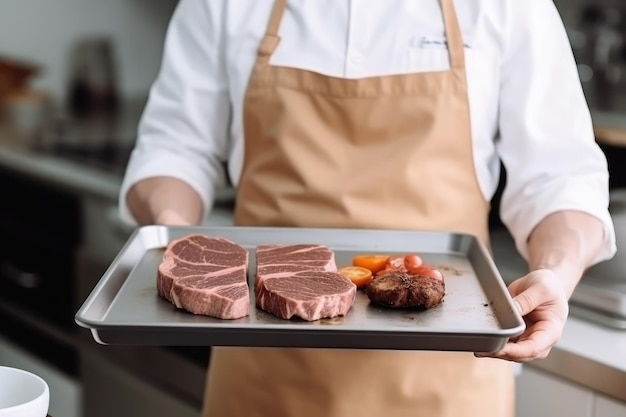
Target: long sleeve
x=183 y=132
x=546 y=139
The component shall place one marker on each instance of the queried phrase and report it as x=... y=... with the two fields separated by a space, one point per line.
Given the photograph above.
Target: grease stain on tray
x=148 y=292
x=450 y=270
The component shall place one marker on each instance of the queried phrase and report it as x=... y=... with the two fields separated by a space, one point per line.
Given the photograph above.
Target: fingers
x=534 y=290
x=537 y=345
x=539 y=297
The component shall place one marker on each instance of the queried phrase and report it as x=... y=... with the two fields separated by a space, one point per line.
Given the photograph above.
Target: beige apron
x=383 y=152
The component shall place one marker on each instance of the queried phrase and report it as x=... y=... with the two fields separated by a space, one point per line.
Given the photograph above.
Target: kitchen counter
x=86 y=155
x=609 y=121
x=59 y=172
x=588 y=354
x=610 y=128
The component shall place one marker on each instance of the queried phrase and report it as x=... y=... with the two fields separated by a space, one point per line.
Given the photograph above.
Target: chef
x=378 y=114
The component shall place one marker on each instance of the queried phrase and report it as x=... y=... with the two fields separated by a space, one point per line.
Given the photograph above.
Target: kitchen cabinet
x=542 y=395
x=110 y=390
x=608 y=407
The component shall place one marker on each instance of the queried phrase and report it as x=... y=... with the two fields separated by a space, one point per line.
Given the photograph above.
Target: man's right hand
x=164 y=200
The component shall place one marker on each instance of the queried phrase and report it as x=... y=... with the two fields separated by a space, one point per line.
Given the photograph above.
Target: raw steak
x=301 y=280
x=205 y=275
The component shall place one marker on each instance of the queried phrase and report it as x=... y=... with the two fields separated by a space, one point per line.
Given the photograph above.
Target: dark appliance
x=39 y=235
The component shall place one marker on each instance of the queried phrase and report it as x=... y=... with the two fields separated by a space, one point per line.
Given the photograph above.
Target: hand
x=171 y=218
x=543 y=303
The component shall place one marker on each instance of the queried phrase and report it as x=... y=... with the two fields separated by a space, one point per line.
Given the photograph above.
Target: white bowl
x=22 y=394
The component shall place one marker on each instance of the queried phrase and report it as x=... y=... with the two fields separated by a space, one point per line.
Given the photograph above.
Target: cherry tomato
x=412 y=262
x=358 y=275
x=404 y=263
x=428 y=271
x=396 y=262
x=374 y=263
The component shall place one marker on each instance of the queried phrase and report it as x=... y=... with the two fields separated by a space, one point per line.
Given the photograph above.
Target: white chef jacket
x=526 y=102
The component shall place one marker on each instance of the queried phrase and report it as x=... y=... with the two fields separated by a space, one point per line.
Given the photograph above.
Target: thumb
x=519 y=307
x=520 y=300
x=529 y=299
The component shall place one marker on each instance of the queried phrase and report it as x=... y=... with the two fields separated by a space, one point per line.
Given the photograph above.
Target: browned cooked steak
x=402 y=290
x=205 y=275
x=301 y=281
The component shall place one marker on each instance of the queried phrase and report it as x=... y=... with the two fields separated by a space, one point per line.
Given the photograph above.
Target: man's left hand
x=542 y=302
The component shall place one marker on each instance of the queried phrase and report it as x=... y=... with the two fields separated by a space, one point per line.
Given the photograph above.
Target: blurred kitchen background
x=45 y=33
x=74 y=76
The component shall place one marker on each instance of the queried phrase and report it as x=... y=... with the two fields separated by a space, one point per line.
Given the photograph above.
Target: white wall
x=44 y=31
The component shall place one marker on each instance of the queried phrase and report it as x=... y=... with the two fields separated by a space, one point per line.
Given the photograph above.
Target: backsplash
x=597 y=33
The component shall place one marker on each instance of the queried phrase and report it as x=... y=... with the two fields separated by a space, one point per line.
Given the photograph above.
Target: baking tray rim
x=83 y=315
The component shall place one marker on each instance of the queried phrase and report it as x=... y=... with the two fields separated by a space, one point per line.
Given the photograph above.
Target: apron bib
x=390 y=152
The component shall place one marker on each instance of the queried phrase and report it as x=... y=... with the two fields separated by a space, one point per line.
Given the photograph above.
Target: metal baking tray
x=477 y=314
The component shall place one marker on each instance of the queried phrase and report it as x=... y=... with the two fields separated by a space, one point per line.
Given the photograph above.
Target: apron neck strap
x=451 y=23
x=271 y=39
x=276 y=17
x=453 y=35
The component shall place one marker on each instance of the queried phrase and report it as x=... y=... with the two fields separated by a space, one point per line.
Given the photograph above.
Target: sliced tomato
x=428 y=271
x=358 y=275
x=374 y=263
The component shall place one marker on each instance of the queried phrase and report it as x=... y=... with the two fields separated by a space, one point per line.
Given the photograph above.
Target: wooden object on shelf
x=14 y=75
x=610 y=136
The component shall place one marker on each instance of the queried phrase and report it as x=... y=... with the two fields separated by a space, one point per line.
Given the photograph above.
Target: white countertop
x=590 y=355
x=597 y=343
x=59 y=172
